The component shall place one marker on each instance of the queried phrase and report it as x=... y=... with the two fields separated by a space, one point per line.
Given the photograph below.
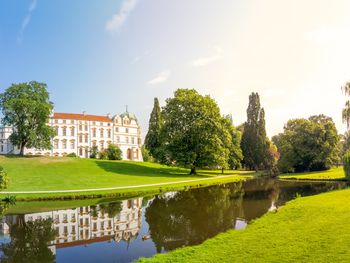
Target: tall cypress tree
x=254 y=141
x=152 y=140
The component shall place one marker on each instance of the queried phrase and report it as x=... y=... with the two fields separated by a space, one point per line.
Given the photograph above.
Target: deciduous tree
x=26 y=107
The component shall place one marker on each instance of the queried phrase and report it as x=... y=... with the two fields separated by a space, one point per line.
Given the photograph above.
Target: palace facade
x=77 y=133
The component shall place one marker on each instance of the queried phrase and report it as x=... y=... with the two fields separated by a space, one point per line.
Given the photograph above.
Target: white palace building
x=77 y=133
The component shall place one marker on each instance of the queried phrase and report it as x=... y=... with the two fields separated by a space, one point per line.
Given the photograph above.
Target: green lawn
x=332 y=174
x=48 y=173
x=308 y=229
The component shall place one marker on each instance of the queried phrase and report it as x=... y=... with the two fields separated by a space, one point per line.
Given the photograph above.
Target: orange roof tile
x=75 y=116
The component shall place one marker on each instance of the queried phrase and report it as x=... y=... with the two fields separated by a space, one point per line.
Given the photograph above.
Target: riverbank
x=334 y=174
x=48 y=178
x=287 y=235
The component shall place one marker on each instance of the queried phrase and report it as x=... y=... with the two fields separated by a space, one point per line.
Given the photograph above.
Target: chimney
x=84 y=113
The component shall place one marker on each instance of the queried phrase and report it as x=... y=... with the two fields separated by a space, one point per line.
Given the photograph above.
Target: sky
x=98 y=56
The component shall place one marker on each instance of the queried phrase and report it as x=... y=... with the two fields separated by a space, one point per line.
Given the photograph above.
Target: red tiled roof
x=75 y=116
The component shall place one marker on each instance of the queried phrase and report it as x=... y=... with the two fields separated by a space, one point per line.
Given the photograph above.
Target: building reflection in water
x=81 y=226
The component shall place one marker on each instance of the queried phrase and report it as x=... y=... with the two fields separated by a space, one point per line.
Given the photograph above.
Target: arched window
x=64 y=131
x=101 y=133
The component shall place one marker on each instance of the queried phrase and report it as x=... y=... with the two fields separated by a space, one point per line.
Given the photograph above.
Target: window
x=80 y=138
x=72 y=122
x=72 y=131
x=127 y=130
x=64 y=121
x=86 y=127
x=101 y=145
x=64 y=144
x=93 y=143
x=94 y=132
x=94 y=123
x=56 y=130
x=56 y=121
x=101 y=133
x=80 y=151
x=72 y=144
x=1 y=148
x=64 y=131
x=118 y=139
x=80 y=127
x=86 y=138
x=116 y=129
x=127 y=139
x=109 y=133
x=101 y=123
x=55 y=144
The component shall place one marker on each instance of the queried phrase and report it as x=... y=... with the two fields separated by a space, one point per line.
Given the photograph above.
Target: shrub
x=147 y=157
x=71 y=155
x=94 y=152
x=346 y=160
x=114 y=152
x=3 y=178
x=103 y=155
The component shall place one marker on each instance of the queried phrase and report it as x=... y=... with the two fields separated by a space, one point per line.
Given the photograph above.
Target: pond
x=125 y=230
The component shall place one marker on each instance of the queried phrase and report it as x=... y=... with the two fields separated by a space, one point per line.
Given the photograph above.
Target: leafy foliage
x=3 y=178
x=308 y=144
x=256 y=147
x=26 y=107
x=346 y=160
x=94 y=152
x=114 y=152
x=194 y=134
x=147 y=157
x=71 y=155
x=153 y=137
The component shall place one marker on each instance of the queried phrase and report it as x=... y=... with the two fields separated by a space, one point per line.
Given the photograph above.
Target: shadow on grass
x=140 y=169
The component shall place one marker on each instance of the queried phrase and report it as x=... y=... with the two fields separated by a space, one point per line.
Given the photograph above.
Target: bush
x=94 y=152
x=346 y=160
x=147 y=157
x=103 y=155
x=114 y=152
x=71 y=155
x=3 y=178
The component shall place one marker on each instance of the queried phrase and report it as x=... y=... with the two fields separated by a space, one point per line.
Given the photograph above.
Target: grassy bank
x=284 y=236
x=334 y=174
x=62 y=174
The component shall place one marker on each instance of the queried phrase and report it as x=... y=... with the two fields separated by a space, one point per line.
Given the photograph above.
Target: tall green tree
x=254 y=141
x=193 y=133
x=26 y=107
x=153 y=139
x=308 y=144
x=346 y=109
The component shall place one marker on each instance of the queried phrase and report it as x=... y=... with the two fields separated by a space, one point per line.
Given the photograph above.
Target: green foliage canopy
x=26 y=107
x=308 y=144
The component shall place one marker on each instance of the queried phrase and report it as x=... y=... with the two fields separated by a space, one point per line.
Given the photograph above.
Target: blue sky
x=98 y=56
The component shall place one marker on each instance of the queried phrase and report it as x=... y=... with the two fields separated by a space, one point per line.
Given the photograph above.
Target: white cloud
x=118 y=19
x=204 y=61
x=160 y=78
x=26 y=21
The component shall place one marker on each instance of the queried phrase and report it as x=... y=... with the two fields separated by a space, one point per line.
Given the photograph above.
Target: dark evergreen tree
x=153 y=140
x=255 y=144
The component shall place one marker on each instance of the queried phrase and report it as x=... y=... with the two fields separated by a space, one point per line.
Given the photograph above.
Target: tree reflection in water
x=29 y=241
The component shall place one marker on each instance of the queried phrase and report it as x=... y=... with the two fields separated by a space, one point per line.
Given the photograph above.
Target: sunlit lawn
x=332 y=174
x=49 y=173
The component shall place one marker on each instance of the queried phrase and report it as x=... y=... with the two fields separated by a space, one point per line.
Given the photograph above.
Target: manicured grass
x=332 y=174
x=308 y=229
x=48 y=173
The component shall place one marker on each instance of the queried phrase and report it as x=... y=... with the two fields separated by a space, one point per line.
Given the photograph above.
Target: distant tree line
x=190 y=131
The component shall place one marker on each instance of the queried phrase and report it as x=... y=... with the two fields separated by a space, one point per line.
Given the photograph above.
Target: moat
x=125 y=230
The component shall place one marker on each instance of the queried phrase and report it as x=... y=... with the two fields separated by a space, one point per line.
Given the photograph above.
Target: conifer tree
x=153 y=140
x=254 y=143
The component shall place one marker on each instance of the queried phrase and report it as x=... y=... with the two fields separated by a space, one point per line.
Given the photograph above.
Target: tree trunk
x=21 y=151
x=193 y=170
x=222 y=170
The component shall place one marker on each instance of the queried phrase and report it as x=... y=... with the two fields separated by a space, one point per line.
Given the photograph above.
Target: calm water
x=123 y=231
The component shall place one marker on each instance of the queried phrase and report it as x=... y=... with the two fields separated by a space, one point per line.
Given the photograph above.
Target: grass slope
x=332 y=174
x=47 y=173
x=308 y=229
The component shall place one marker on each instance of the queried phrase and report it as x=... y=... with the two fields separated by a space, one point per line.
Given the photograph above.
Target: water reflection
x=126 y=230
